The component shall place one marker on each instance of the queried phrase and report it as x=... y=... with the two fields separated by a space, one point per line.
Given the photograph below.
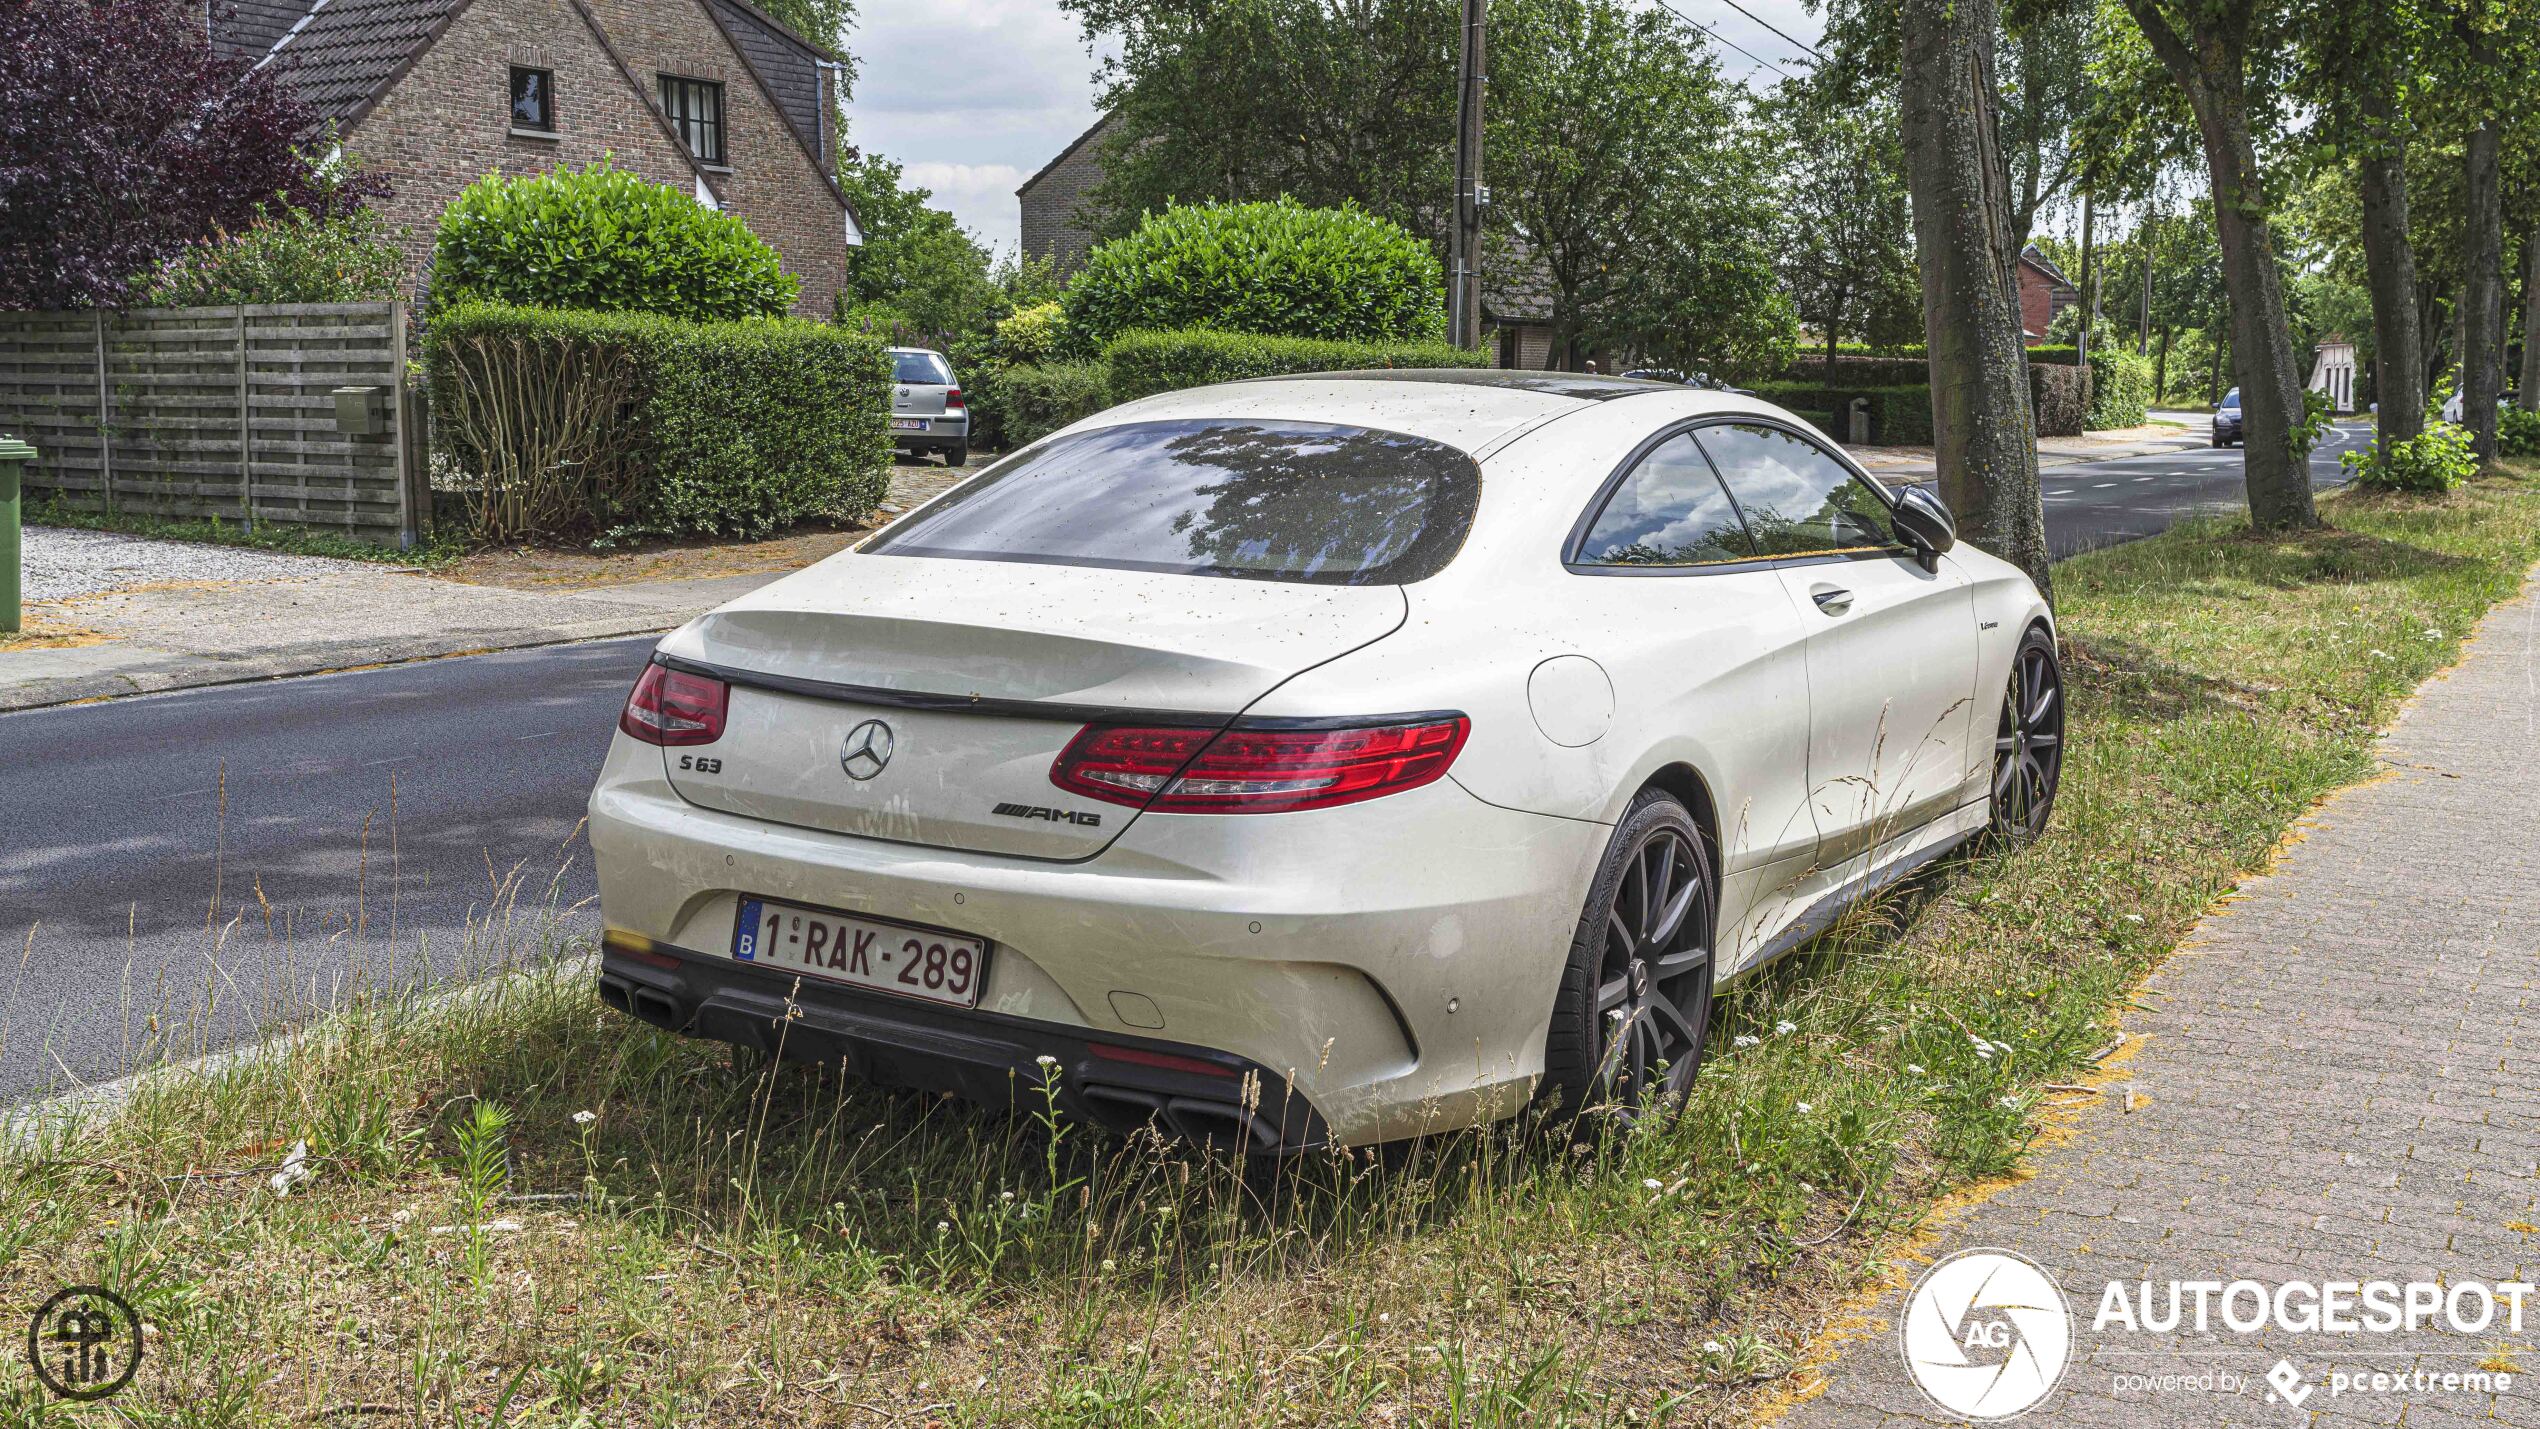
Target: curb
x=334 y=658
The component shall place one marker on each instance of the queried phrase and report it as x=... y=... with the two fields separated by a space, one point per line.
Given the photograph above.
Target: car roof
x=1475 y=409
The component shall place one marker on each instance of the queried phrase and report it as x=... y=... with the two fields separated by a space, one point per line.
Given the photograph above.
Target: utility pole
x=1464 y=246
x=2089 y=285
x=2143 y=323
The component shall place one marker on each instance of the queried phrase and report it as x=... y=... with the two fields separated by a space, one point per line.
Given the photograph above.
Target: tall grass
x=527 y=1209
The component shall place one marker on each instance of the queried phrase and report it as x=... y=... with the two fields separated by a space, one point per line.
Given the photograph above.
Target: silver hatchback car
x=927 y=414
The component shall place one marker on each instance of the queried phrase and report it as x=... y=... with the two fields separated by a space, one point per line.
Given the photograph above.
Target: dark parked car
x=2227 y=420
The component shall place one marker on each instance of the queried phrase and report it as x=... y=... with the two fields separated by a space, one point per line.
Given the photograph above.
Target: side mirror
x=1923 y=523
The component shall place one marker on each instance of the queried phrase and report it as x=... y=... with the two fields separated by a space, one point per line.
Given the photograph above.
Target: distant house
x=2044 y=292
x=1058 y=225
x=2333 y=372
x=711 y=96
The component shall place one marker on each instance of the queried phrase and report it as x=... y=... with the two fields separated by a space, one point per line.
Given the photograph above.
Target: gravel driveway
x=60 y=563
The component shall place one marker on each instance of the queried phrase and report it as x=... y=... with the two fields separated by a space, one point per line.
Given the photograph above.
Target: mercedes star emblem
x=867 y=750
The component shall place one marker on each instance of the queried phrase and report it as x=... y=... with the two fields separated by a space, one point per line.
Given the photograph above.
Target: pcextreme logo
x=1987 y=1334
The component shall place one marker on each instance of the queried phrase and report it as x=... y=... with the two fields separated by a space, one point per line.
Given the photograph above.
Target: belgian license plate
x=862 y=952
x=908 y=424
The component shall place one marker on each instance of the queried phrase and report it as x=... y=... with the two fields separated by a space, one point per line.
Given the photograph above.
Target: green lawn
x=733 y=1249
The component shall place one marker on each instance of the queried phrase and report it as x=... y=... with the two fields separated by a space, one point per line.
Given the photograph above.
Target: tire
x=1634 y=1004
x=958 y=455
x=2028 y=742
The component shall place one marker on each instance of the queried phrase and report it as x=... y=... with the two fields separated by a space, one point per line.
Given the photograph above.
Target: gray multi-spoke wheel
x=1635 y=1001
x=2028 y=741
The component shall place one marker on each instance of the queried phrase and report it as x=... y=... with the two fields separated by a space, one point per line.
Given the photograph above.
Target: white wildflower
x=1046 y=1060
x=585 y=1118
x=1651 y=1182
x=1785 y=1027
x=2011 y=1101
x=1917 y=1069
x=1804 y=1108
x=1747 y=1039
x=1714 y=1347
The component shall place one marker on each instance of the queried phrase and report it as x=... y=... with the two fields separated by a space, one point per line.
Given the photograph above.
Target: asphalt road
x=217 y=856
x=2101 y=503
x=224 y=859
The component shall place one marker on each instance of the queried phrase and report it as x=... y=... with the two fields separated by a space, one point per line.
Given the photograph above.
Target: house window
x=533 y=99
x=695 y=107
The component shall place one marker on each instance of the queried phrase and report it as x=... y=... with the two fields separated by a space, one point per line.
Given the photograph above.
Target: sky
x=972 y=97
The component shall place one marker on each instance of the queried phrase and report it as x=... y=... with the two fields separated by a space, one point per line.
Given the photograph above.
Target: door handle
x=1832 y=599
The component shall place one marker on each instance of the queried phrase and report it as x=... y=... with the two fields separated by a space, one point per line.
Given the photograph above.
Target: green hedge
x=1029 y=401
x=603 y=240
x=1279 y=268
x=2060 y=395
x=1858 y=371
x=2120 y=390
x=1900 y=415
x=1144 y=363
x=573 y=425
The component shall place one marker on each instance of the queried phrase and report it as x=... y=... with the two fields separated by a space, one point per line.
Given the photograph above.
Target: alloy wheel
x=1654 y=983
x=2028 y=743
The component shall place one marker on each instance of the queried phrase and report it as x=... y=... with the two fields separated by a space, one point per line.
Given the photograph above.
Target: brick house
x=2044 y=292
x=710 y=96
x=1516 y=294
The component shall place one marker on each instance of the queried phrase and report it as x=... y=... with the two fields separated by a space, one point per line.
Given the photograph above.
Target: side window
x=1669 y=511
x=1798 y=500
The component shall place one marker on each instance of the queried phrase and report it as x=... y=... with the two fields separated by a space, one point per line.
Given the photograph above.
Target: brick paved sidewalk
x=2341 y=1082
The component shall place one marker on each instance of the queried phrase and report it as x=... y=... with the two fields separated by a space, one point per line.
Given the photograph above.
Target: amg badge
x=1055 y=816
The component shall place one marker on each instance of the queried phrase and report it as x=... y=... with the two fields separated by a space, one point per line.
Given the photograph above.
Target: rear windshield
x=920 y=367
x=1257 y=500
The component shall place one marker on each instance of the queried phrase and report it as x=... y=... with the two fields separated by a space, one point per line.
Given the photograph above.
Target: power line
x=1809 y=50
x=1714 y=32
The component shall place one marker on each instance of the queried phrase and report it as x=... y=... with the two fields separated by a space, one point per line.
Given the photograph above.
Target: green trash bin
x=14 y=455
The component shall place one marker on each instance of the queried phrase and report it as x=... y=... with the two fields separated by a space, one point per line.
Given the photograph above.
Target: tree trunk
x=2482 y=290
x=2161 y=368
x=2390 y=272
x=1983 y=430
x=2206 y=64
x=2529 y=399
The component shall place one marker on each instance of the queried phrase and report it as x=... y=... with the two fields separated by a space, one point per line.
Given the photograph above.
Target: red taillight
x=1255 y=770
x=952 y=399
x=674 y=707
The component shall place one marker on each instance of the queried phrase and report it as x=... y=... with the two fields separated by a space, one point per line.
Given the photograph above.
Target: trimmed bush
x=1036 y=399
x=576 y=425
x=603 y=240
x=1856 y=371
x=1278 y=268
x=2120 y=390
x=2436 y=459
x=1900 y=416
x=2059 y=393
x=1142 y=364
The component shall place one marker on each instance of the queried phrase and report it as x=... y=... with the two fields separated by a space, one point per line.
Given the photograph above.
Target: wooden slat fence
x=228 y=412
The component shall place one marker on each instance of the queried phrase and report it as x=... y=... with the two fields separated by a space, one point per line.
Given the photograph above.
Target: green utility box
x=14 y=456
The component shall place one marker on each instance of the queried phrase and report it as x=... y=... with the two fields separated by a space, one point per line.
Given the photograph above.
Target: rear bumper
x=1391 y=962
x=1121 y=1082
x=941 y=434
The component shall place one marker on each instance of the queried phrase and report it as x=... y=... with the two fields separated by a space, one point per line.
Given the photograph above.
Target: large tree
x=124 y=137
x=1654 y=231
x=1982 y=426
x=2226 y=57
x=1847 y=231
x=918 y=270
x=2361 y=73
x=1325 y=101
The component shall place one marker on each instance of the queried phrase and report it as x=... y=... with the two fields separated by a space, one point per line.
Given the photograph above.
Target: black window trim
x=1574 y=547
x=547 y=98
x=721 y=158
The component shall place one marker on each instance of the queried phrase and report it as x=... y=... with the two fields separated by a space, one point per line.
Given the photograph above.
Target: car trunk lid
x=923 y=700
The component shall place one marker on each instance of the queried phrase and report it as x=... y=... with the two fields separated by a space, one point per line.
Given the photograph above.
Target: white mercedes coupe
x=1320 y=760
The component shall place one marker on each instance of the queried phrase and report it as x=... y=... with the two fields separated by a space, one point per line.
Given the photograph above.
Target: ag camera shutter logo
x=1987 y=1334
